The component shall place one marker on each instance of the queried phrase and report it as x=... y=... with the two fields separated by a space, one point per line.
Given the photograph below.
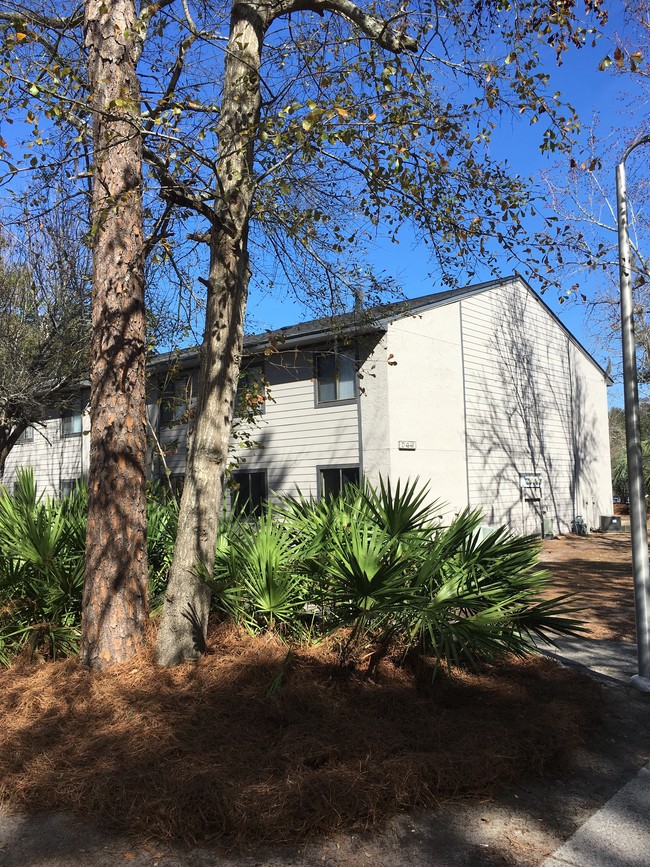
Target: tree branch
x=379 y=31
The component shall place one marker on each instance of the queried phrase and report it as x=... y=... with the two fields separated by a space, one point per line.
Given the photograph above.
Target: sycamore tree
x=284 y=135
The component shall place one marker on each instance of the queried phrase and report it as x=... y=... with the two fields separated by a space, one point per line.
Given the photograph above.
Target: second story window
x=27 y=436
x=336 y=377
x=71 y=423
x=178 y=399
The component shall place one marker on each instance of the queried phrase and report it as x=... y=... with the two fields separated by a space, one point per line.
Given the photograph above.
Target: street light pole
x=638 y=519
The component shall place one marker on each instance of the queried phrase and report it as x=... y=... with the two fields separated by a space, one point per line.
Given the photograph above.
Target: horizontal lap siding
x=294 y=436
x=529 y=409
x=297 y=436
x=52 y=457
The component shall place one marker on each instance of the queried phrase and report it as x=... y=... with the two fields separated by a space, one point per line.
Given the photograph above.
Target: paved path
x=618 y=834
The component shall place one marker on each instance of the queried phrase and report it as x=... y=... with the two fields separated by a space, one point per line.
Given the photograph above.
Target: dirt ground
x=597 y=569
x=522 y=826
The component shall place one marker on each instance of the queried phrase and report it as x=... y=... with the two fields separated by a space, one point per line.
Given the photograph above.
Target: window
x=179 y=397
x=251 y=391
x=332 y=480
x=27 y=436
x=69 y=486
x=336 y=377
x=71 y=423
x=248 y=492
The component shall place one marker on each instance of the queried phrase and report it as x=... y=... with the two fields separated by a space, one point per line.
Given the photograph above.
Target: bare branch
x=379 y=31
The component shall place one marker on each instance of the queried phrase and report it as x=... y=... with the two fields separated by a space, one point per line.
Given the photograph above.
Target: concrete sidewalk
x=614 y=660
x=618 y=834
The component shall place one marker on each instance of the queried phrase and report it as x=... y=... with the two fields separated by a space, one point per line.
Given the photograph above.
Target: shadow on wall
x=533 y=418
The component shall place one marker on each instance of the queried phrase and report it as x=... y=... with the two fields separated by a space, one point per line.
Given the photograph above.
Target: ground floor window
x=332 y=480
x=248 y=492
x=69 y=486
x=176 y=485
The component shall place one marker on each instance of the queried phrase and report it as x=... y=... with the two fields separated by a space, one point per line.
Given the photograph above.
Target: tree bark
x=181 y=635
x=115 y=591
x=8 y=440
x=182 y=631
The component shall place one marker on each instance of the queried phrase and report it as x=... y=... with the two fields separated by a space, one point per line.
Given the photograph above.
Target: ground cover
x=253 y=744
x=597 y=570
x=520 y=825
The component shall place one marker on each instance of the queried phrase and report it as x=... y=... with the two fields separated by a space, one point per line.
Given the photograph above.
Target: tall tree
x=115 y=589
x=303 y=127
x=44 y=326
x=388 y=165
x=582 y=192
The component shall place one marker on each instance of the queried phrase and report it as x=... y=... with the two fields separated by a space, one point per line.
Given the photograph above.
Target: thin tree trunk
x=5 y=449
x=184 y=623
x=115 y=591
x=183 y=627
x=8 y=440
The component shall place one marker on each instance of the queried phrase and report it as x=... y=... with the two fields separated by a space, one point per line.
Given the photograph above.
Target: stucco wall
x=415 y=398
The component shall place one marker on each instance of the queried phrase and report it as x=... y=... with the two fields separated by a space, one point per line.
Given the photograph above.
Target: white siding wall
x=487 y=388
x=534 y=404
x=294 y=435
x=54 y=458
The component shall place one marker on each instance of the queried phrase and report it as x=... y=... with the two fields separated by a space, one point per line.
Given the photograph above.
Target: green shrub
x=378 y=562
x=41 y=570
x=42 y=559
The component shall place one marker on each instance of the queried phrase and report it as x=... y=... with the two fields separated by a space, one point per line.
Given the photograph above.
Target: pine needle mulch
x=252 y=746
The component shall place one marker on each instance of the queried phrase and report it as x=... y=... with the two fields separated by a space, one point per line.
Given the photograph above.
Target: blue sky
x=580 y=83
x=592 y=92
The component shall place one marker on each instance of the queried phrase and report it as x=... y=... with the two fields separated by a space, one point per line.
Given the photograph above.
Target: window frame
x=27 y=436
x=247 y=509
x=176 y=404
x=71 y=483
x=71 y=414
x=321 y=468
x=337 y=401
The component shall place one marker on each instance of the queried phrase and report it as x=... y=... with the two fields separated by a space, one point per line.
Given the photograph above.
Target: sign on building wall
x=530 y=480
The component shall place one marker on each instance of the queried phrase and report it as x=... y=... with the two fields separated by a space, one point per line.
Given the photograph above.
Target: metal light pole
x=638 y=520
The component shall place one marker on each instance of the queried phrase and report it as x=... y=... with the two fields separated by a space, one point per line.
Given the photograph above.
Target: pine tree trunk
x=115 y=591
x=183 y=627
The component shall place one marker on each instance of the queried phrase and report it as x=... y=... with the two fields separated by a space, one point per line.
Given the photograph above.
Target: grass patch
x=253 y=745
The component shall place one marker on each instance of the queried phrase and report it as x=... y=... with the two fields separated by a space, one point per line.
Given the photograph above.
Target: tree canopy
x=44 y=322
x=286 y=133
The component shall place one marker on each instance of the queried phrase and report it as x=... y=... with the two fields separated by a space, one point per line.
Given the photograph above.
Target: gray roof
x=363 y=321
